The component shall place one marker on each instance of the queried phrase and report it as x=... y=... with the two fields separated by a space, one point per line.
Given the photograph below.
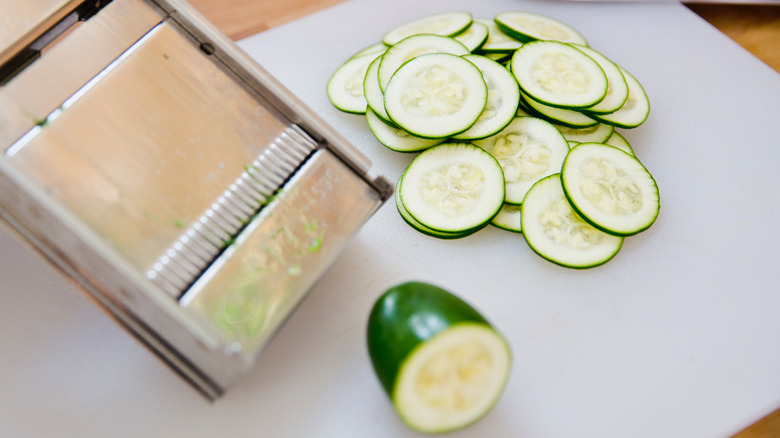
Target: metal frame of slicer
x=169 y=176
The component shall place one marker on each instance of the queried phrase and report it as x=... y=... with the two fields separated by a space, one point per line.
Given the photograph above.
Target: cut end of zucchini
x=440 y=361
x=453 y=379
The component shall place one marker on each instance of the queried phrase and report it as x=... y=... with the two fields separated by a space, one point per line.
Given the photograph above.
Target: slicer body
x=169 y=176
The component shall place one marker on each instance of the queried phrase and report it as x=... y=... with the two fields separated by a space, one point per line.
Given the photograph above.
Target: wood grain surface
x=754 y=27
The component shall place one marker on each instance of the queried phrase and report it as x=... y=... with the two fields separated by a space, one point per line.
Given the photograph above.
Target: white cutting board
x=675 y=337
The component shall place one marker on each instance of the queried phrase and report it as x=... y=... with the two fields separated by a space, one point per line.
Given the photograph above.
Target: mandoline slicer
x=156 y=165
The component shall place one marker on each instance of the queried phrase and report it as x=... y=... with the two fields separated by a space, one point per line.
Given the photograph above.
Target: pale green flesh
x=453 y=379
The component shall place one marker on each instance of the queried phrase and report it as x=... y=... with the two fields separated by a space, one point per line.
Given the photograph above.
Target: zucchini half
x=439 y=360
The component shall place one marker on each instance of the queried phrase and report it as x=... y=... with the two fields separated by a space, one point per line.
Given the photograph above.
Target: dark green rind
x=405 y=317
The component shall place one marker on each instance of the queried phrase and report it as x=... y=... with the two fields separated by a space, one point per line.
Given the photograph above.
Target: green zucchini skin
x=406 y=316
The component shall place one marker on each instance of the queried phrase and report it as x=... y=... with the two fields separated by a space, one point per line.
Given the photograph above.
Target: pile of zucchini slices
x=514 y=120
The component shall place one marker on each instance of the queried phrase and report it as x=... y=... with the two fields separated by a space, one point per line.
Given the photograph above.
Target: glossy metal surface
x=256 y=284
x=153 y=163
x=145 y=149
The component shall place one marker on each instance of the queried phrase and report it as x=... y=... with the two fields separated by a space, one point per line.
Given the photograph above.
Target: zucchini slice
x=560 y=116
x=502 y=99
x=474 y=37
x=527 y=26
x=498 y=41
x=453 y=187
x=439 y=360
x=444 y=24
x=413 y=47
x=617 y=140
x=559 y=75
x=617 y=88
x=508 y=218
x=436 y=95
x=499 y=57
x=610 y=189
x=636 y=109
x=412 y=222
x=345 y=86
x=375 y=49
x=395 y=138
x=528 y=149
x=597 y=133
x=375 y=97
x=556 y=232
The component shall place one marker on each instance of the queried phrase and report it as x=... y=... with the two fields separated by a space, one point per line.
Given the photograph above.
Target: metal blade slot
x=181 y=264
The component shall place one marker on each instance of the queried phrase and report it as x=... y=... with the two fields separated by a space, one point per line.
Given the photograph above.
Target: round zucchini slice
x=617 y=140
x=617 y=88
x=560 y=116
x=597 y=133
x=508 y=219
x=436 y=95
x=444 y=24
x=372 y=91
x=474 y=37
x=453 y=187
x=497 y=41
x=412 y=47
x=558 y=75
x=345 y=86
x=527 y=26
x=610 y=189
x=412 y=222
x=503 y=99
x=439 y=360
x=395 y=138
x=634 y=111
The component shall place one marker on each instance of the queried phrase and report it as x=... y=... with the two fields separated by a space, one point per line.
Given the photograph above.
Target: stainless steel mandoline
x=151 y=161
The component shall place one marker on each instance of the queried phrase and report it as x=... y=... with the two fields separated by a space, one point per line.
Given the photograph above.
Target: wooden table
x=754 y=27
